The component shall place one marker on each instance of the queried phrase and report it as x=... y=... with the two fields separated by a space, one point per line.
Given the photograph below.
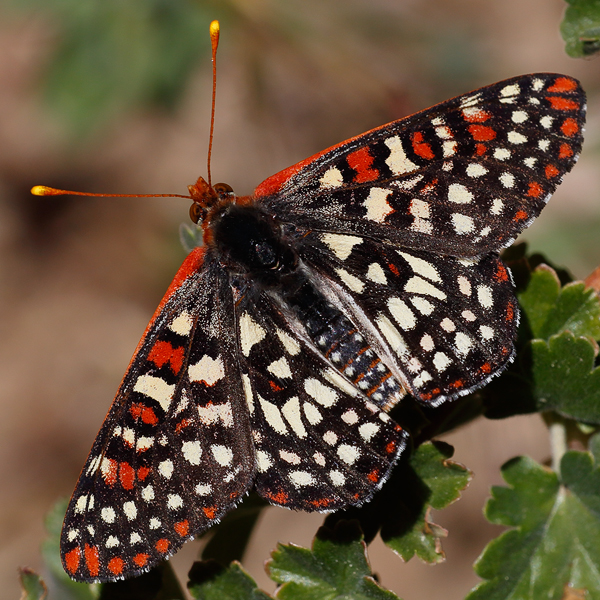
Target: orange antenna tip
x=215 y=29
x=42 y=190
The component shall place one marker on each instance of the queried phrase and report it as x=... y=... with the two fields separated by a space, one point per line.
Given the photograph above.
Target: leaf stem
x=557 y=429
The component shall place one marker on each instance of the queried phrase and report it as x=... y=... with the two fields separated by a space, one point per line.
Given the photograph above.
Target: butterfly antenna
x=214 y=42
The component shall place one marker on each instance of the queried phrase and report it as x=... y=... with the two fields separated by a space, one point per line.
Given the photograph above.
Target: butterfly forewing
x=175 y=452
x=464 y=177
x=320 y=443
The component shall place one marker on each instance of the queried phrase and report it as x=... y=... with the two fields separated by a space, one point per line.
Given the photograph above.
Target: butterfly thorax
x=250 y=242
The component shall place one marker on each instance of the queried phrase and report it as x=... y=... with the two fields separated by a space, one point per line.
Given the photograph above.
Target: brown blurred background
x=80 y=278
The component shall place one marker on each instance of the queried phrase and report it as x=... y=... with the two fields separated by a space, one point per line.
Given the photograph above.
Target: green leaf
x=408 y=530
x=553 y=548
x=550 y=309
x=580 y=28
x=335 y=567
x=32 y=585
x=564 y=377
x=426 y=480
x=211 y=581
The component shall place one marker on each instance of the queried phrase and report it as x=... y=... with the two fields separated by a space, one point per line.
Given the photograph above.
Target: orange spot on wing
x=510 y=311
x=565 y=151
x=275 y=387
x=560 y=103
x=569 y=127
x=421 y=148
x=163 y=353
x=126 y=475
x=459 y=383
x=148 y=416
x=478 y=116
x=278 y=498
x=321 y=502
x=182 y=425
x=361 y=161
x=501 y=273
x=520 y=215
x=115 y=565
x=140 y=559
x=486 y=368
x=563 y=84
x=210 y=511
x=72 y=560
x=480 y=149
x=535 y=189
x=551 y=171
x=182 y=528
x=373 y=476
x=390 y=447
x=109 y=470
x=91 y=560
x=142 y=473
x=394 y=269
x=162 y=545
x=482 y=133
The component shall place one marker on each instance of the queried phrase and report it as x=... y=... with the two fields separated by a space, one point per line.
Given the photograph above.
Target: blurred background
x=115 y=97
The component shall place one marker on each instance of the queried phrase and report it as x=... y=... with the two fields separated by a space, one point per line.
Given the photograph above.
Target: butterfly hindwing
x=464 y=177
x=175 y=451
x=447 y=324
x=320 y=443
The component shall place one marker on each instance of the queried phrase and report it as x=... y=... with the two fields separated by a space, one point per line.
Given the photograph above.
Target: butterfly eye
x=195 y=212
x=223 y=189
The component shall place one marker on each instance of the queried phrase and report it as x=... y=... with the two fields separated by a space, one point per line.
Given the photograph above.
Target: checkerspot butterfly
x=361 y=274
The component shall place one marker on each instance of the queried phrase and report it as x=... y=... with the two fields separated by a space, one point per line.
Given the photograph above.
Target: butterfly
x=359 y=275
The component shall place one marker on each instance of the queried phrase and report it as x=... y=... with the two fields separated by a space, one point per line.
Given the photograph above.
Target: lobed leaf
x=552 y=550
x=564 y=377
x=335 y=568
x=550 y=309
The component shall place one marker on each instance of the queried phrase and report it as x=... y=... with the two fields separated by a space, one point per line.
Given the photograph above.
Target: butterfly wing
x=443 y=325
x=320 y=443
x=462 y=178
x=175 y=451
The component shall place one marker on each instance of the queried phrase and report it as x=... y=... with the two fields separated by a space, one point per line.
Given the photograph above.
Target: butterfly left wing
x=175 y=452
x=321 y=444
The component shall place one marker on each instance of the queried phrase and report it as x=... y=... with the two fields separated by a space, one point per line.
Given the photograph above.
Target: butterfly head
x=206 y=197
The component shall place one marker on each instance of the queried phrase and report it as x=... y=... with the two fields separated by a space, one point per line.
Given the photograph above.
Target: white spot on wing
x=332 y=178
x=250 y=333
x=340 y=245
x=462 y=223
x=280 y=368
x=421 y=267
x=397 y=161
x=291 y=412
x=376 y=204
x=418 y=285
x=155 y=388
x=401 y=313
x=192 y=451
x=273 y=416
x=182 y=324
x=208 y=370
x=222 y=454
x=354 y=283
x=323 y=394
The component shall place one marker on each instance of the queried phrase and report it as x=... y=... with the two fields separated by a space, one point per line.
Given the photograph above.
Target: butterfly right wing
x=175 y=452
x=462 y=178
